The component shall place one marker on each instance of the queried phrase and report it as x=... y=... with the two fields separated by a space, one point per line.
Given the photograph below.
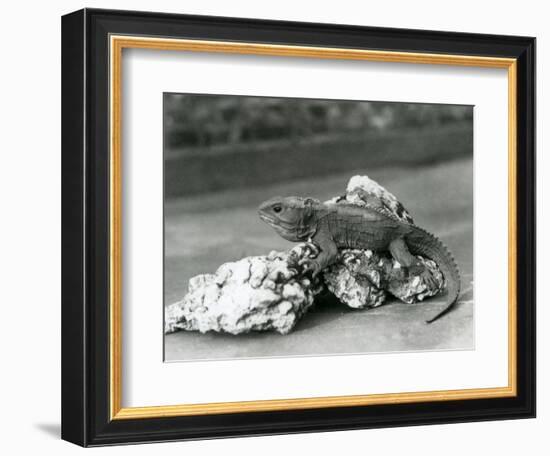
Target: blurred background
x=224 y=155
x=240 y=141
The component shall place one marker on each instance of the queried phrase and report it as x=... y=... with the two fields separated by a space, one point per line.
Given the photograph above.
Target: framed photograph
x=278 y=227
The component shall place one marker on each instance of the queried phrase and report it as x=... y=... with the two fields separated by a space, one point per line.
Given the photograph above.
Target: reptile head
x=291 y=217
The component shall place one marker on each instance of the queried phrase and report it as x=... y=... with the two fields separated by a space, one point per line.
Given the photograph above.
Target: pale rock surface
x=253 y=294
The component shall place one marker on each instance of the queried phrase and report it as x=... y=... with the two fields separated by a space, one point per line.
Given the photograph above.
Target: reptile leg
x=400 y=252
x=327 y=255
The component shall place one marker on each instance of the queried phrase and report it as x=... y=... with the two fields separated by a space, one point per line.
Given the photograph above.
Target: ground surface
x=203 y=232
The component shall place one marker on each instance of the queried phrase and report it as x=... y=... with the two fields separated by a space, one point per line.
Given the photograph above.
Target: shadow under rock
x=326 y=307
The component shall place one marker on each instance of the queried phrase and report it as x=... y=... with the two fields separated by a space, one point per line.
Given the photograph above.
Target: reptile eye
x=277 y=209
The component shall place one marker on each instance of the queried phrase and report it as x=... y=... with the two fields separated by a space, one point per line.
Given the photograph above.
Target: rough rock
x=362 y=279
x=253 y=294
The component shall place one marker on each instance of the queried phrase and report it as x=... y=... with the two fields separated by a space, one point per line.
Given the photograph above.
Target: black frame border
x=85 y=227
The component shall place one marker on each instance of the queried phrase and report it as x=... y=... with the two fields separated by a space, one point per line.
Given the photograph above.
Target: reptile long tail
x=422 y=243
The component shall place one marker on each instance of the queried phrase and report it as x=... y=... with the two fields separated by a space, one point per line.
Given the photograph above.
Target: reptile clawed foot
x=309 y=265
x=424 y=274
x=428 y=279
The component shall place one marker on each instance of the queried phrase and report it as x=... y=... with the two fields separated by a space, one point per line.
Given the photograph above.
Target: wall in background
x=30 y=229
x=218 y=142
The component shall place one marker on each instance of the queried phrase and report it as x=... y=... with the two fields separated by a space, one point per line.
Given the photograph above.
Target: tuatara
x=333 y=226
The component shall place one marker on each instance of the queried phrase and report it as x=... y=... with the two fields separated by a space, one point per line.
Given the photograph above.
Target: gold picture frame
x=117 y=45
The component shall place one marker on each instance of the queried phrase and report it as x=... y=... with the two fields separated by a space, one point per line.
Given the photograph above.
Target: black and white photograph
x=314 y=227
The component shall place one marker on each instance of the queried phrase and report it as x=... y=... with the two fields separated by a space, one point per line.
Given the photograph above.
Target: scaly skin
x=347 y=226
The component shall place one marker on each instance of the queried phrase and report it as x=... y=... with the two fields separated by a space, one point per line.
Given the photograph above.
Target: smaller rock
x=355 y=280
x=360 y=280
